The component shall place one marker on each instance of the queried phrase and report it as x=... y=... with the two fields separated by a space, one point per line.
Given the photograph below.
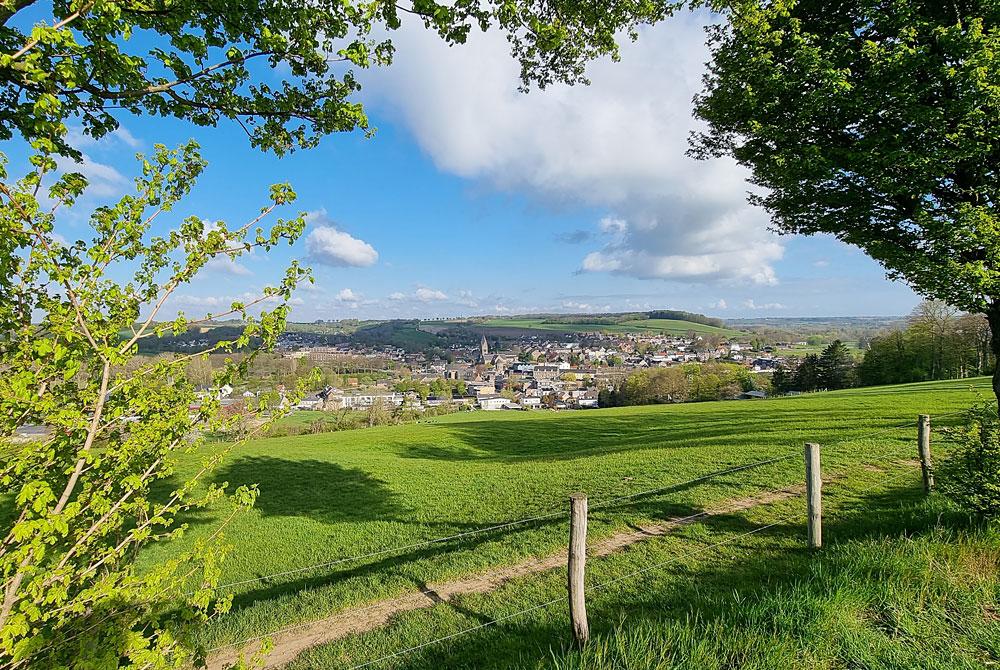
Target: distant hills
x=429 y=334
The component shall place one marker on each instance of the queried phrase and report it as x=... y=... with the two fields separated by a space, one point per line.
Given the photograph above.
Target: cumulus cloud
x=720 y=304
x=103 y=180
x=576 y=306
x=222 y=303
x=77 y=138
x=466 y=299
x=347 y=295
x=425 y=294
x=328 y=245
x=227 y=265
x=750 y=304
x=618 y=145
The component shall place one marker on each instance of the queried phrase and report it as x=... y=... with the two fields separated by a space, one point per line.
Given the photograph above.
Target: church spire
x=484 y=349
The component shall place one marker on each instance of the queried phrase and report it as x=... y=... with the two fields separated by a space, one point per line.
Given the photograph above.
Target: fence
x=578 y=513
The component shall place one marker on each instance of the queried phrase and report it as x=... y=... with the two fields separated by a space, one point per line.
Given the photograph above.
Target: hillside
x=326 y=497
x=644 y=326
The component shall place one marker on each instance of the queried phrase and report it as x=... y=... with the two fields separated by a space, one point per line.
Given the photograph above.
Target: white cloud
x=750 y=304
x=330 y=246
x=124 y=136
x=580 y=306
x=424 y=294
x=103 y=180
x=720 y=304
x=466 y=299
x=613 y=226
x=206 y=301
x=397 y=296
x=347 y=295
x=76 y=137
x=227 y=265
x=618 y=145
x=822 y=263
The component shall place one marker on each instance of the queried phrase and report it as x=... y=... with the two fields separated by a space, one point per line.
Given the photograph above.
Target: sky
x=473 y=198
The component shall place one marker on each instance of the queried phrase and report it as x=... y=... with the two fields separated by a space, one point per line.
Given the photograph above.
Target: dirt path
x=289 y=644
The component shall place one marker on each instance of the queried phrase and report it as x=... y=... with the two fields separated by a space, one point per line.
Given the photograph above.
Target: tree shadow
x=397 y=563
x=586 y=435
x=703 y=594
x=320 y=490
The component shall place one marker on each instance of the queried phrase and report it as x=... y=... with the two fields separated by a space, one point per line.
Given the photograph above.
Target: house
x=313 y=402
x=366 y=400
x=753 y=395
x=494 y=402
x=481 y=388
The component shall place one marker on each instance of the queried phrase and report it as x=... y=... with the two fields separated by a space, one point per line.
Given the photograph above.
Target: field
x=905 y=581
x=801 y=350
x=647 y=326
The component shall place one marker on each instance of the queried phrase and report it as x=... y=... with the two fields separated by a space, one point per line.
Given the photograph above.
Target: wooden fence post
x=814 y=495
x=577 y=567
x=924 y=447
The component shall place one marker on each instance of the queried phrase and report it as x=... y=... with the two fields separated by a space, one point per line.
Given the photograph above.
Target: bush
x=970 y=475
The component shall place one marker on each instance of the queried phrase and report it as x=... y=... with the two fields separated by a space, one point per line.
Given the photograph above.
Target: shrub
x=970 y=475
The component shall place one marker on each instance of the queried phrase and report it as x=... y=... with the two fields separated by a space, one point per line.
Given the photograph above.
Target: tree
x=836 y=367
x=82 y=497
x=208 y=61
x=781 y=381
x=807 y=375
x=71 y=319
x=874 y=122
x=935 y=322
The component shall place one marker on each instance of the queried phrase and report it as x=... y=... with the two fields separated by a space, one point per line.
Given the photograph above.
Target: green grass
x=804 y=349
x=647 y=326
x=348 y=493
x=904 y=582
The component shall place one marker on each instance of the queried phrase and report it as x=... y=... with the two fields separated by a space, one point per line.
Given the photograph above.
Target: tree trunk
x=993 y=317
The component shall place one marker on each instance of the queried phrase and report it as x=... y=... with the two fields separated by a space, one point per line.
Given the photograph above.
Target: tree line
x=938 y=342
x=691 y=382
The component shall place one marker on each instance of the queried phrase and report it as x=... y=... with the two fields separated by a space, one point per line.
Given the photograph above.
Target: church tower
x=484 y=350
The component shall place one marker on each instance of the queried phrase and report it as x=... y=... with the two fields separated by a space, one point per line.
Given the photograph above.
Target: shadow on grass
x=397 y=563
x=712 y=598
x=584 y=436
x=320 y=490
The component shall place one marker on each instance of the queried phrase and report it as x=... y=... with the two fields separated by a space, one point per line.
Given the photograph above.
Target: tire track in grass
x=290 y=642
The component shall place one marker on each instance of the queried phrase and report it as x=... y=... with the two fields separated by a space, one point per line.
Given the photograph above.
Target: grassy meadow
x=326 y=497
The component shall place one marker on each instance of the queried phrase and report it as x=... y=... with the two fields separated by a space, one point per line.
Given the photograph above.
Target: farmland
x=323 y=497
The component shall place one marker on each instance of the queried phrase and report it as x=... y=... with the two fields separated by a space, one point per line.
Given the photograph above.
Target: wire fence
x=560 y=512
x=631 y=575
x=626 y=499
x=557 y=511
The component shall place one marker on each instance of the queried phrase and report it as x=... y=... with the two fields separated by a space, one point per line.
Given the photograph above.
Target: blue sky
x=473 y=198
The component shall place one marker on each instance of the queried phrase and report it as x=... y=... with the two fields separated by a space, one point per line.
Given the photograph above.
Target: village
x=528 y=373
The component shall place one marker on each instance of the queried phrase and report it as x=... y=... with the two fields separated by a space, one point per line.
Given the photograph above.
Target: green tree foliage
x=285 y=71
x=81 y=497
x=781 y=380
x=874 y=122
x=683 y=383
x=949 y=346
x=970 y=475
x=834 y=368
x=837 y=368
x=807 y=375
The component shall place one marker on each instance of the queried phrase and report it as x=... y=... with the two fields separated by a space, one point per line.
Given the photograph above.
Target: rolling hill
x=385 y=492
